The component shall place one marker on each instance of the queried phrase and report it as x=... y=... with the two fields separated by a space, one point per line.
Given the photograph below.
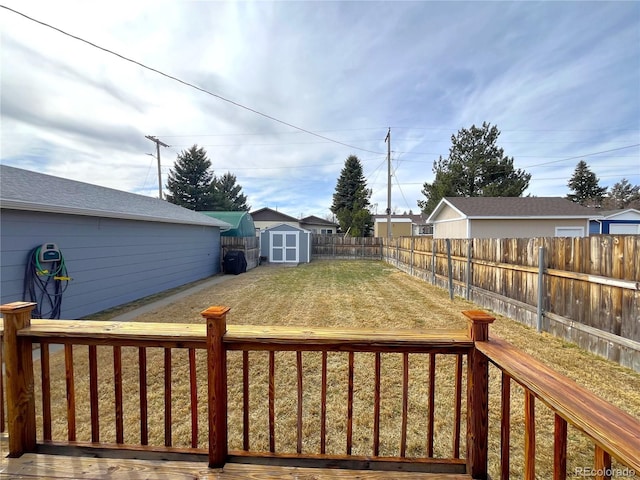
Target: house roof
x=512 y=207
x=269 y=215
x=615 y=213
x=26 y=190
x=312 y=219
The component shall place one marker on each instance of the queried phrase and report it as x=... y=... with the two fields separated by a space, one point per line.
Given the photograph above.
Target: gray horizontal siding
x=111 y=261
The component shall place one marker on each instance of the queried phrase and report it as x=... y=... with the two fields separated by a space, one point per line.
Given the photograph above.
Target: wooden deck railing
x=614 y=433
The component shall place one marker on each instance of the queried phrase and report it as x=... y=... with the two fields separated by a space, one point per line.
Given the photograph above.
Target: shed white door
x=284 y=247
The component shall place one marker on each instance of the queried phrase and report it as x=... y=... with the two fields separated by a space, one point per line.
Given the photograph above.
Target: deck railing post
x=477 y=396
x=216 y=318
x=18 y=357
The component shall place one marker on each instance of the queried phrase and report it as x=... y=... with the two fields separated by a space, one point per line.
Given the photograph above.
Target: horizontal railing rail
x=614 y=432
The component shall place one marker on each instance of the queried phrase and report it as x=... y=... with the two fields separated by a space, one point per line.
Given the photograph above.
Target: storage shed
x=241 y=223
x=117 y=246
x=285 y=244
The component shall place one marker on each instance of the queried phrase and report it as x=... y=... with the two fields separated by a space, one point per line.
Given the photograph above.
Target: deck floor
x=31 y=466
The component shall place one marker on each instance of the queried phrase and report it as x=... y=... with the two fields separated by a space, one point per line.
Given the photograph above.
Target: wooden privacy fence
x=585 y=290
x=249 y=245
x=341 y=247
x=614 y=433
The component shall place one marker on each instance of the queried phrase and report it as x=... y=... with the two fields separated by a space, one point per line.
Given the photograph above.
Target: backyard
x=367 y=294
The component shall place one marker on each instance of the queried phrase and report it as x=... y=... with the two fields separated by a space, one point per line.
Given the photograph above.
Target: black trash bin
x=234 y=262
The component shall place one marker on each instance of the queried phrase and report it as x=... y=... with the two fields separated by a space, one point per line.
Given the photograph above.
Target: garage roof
x=26 y=190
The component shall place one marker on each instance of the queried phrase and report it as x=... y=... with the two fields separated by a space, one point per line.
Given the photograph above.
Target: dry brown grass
x=357 y=294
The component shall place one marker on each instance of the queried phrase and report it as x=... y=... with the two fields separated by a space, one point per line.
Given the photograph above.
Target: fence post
x=412 y=248
x=449 y=268
x=216 y=318
x=21 y=407
x=433 y=261
x=469 y=254
x=477 y=396
x=540 y=309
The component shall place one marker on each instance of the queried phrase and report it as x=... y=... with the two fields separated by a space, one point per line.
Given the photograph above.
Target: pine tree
x=351 y=199
x=585 y=185
x=622 y=194
x=228 y=195
x=190 y=180
x=475 y=167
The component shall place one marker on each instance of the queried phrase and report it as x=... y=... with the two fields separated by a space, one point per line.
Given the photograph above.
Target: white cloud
x=559 y=79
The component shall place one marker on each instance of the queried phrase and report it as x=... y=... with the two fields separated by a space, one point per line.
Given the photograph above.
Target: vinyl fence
x=585 y=290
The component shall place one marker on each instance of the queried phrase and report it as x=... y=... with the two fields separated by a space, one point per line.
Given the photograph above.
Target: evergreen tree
x=622 y=194
x=190 y=180
x=585 y=185
x=351 y=200
x=475 y=167
x=227 y=194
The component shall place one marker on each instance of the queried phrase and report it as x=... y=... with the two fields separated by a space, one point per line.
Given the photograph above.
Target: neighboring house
x=266 y=217
x=402 y=225
x=285 y=244
x=241 y=223
x=117 y=246
x=509 y=217
x=625 y=221
x=318 y=225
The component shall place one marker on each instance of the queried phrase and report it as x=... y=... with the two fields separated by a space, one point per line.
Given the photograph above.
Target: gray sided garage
x=285 y=244
x=117 y=246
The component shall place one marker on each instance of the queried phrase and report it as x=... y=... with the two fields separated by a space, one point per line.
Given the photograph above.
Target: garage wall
x=111 y=261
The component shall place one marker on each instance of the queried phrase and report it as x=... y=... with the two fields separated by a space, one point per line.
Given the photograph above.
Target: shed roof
x=26 y=190
x=513 y=207
x=240 y=222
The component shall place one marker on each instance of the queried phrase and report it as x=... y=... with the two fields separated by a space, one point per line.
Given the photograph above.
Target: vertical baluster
x=350 y=406
x=323 y=406
x=142 y=376
x=432 y=403
x=405 y=404
x=505 y=427
x=458 y=407
x=167 y=397
x=529 y=436
x=376 y=408
x=193 y=384
x=560 y=448
x=602 y=464
x=117 y=380
x=272 y=406
x=299 y=368
x=93 y=393
x=45 y=373
x=71 y=392
x=245 y=400
x=2 y=419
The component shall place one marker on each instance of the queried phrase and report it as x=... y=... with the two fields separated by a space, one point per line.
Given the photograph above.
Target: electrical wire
x=188 y=84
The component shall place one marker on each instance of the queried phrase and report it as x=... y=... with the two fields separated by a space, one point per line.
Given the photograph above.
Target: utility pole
x=388 y=140
x=158 y=143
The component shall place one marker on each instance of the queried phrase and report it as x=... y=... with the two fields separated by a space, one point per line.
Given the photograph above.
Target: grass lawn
x=341 y=293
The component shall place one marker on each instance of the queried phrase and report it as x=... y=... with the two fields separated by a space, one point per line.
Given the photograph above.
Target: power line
x=191 y=85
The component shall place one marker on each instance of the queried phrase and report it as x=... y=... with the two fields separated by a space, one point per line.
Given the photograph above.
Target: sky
x=254 y=81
